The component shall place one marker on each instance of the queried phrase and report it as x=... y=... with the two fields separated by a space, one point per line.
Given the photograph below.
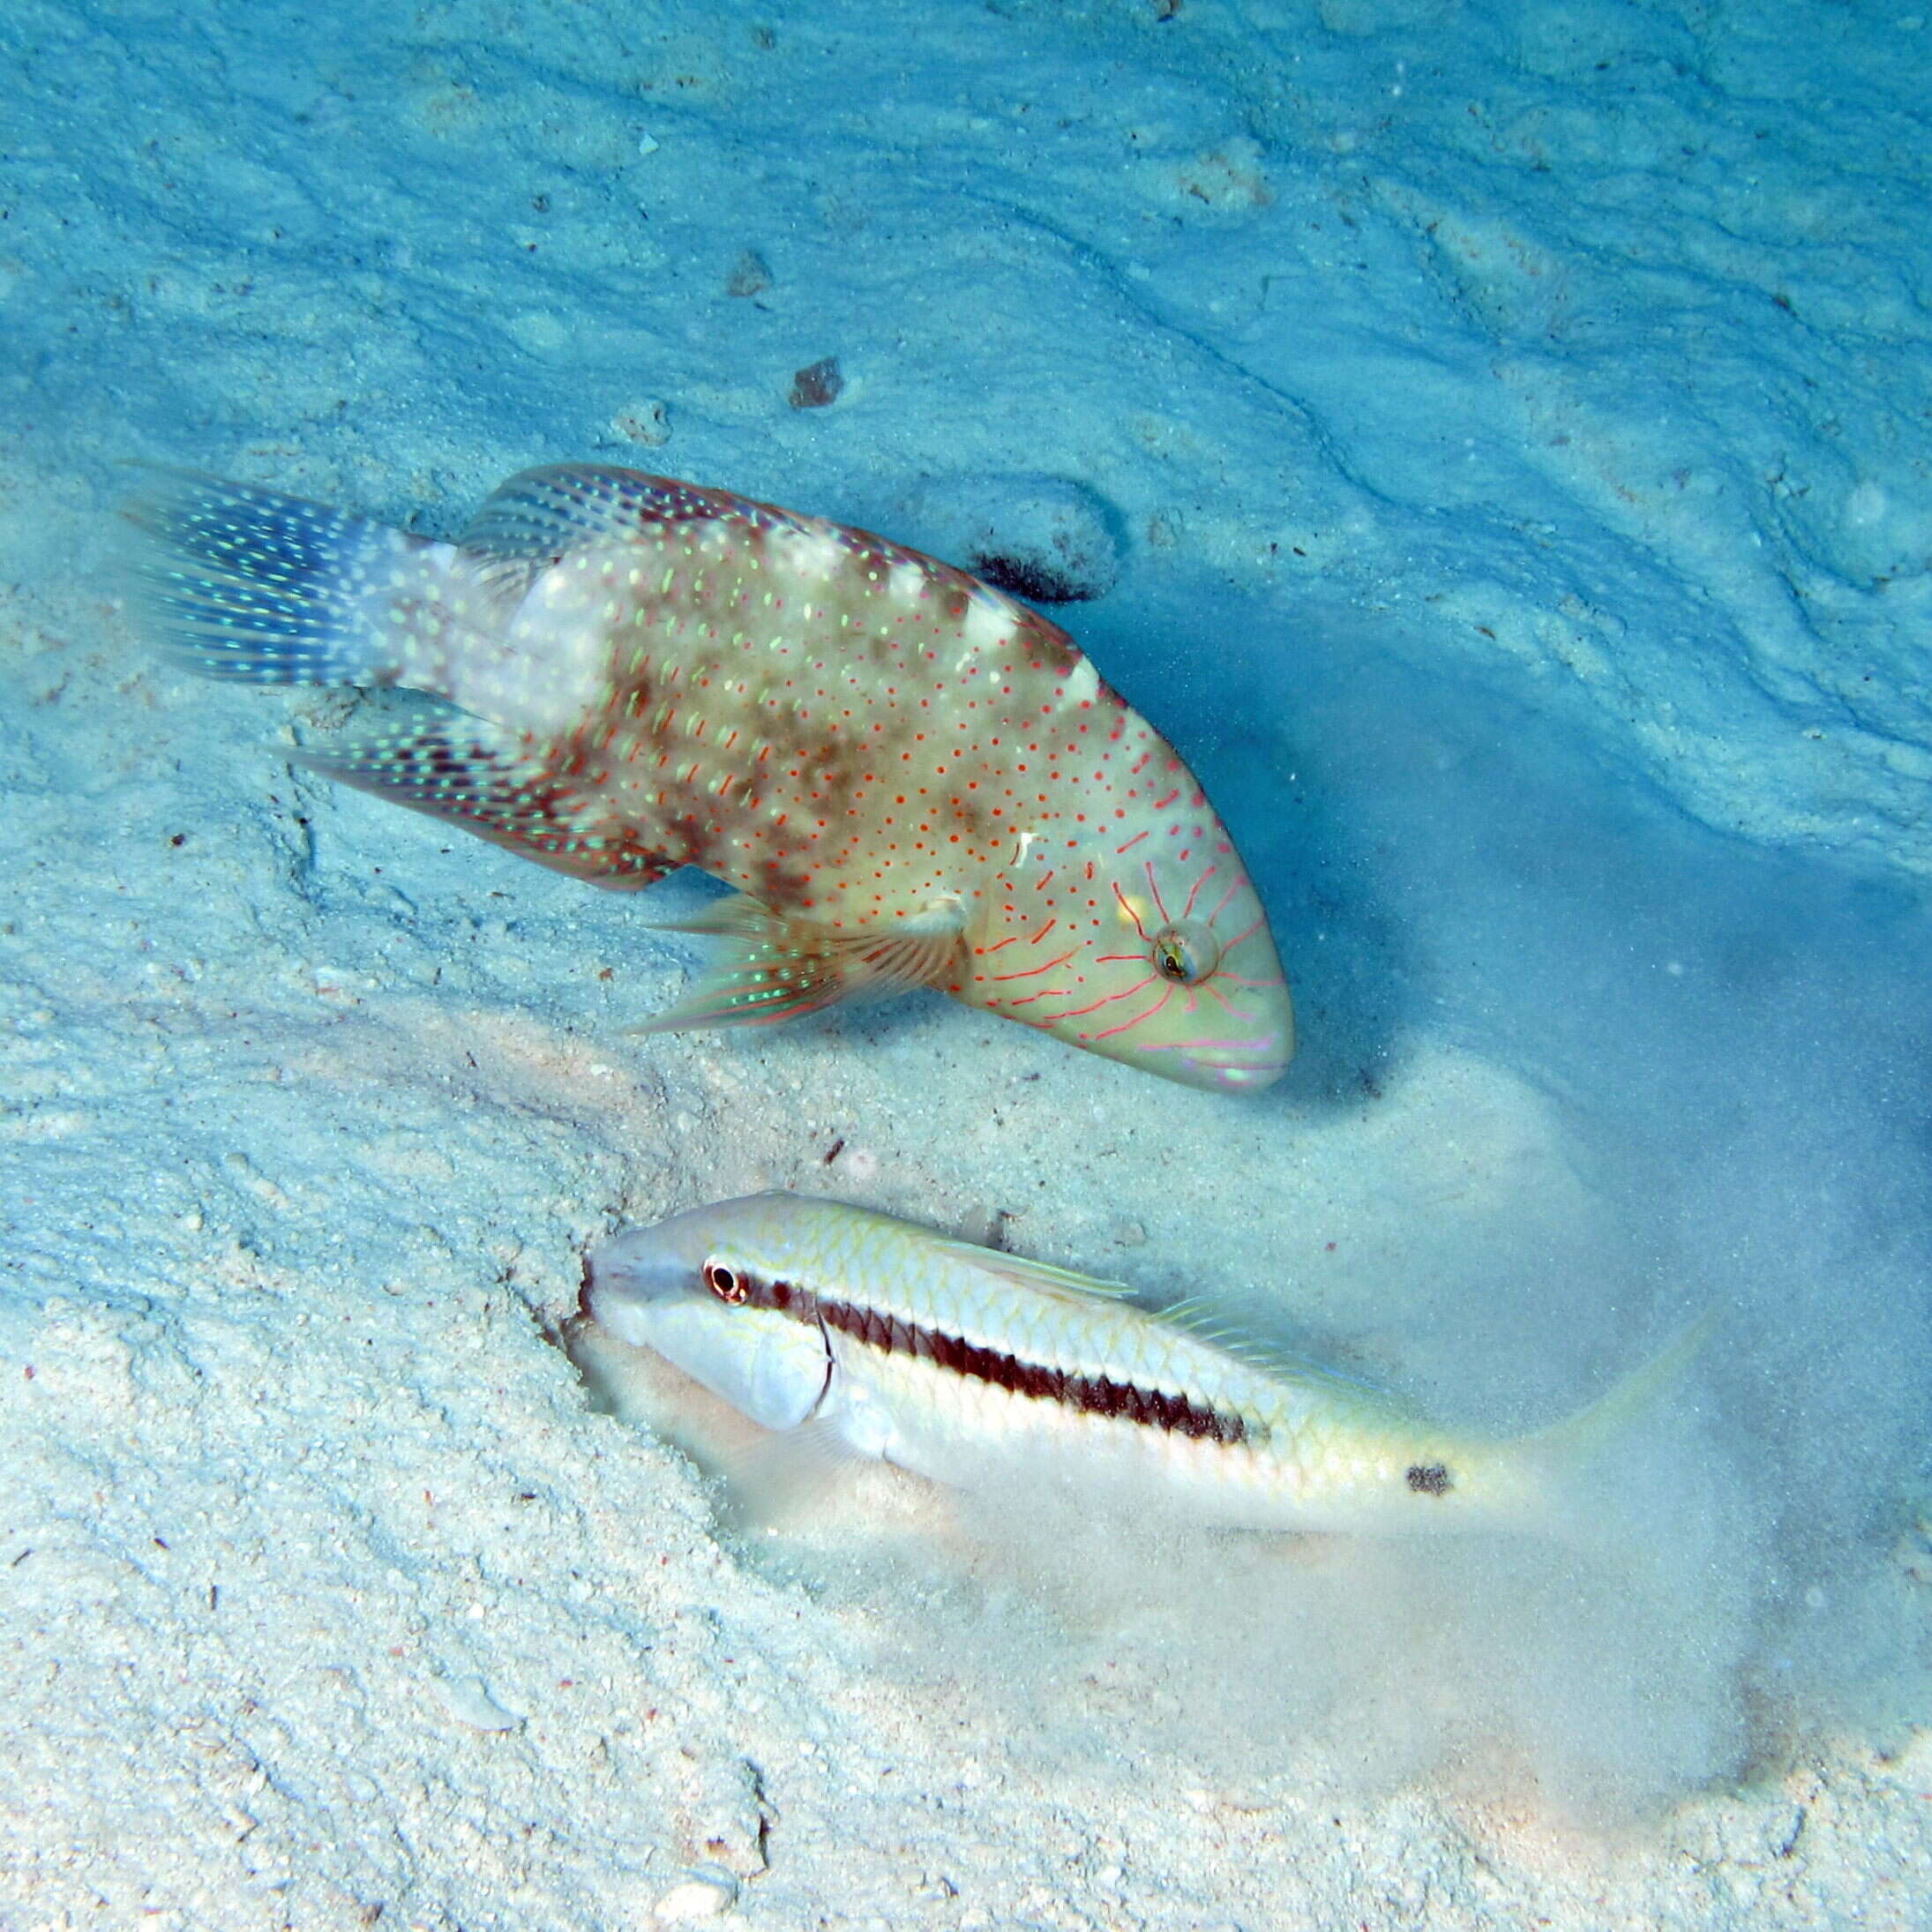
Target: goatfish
x=860 y=1336
x=908 y=777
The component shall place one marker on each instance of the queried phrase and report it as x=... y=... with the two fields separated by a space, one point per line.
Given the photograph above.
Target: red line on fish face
x=1128 y=1026
x=1032 y=972
x=1154 y=887
x=1130 y=912
x=1105 y=999
x=1234 y=886
x=1028 y=998
x=1188 y=1049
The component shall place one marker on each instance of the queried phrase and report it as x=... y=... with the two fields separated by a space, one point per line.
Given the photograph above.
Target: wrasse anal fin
x=485 y=778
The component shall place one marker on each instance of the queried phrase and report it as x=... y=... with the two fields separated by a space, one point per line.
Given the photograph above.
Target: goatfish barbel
x=871 y=1338
x=909 y=778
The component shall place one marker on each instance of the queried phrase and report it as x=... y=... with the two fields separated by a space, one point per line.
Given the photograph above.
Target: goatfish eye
x=1185 y=952
x=725 y=1282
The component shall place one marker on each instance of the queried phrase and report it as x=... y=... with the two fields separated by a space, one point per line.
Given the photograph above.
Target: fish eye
x=725 y=1282
x=1185 y=952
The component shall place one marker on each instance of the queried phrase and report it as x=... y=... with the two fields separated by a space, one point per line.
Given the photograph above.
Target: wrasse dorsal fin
x=542 y=513
x=770 y=967
x=484 y=777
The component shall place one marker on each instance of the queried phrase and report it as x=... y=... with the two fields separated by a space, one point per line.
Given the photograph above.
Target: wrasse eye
x=725 y=1282
x=1185 y=952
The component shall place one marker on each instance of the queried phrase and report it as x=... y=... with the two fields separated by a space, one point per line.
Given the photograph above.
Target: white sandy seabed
x=1511 y=424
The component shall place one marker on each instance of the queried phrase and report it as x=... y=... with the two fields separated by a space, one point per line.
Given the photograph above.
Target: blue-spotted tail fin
x=249 y=584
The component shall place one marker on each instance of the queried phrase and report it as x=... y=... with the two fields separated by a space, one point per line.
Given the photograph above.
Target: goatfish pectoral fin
x=782 y=1474
x=772 y=967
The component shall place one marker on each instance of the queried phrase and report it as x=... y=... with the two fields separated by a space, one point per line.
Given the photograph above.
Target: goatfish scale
x=968 y=1365
x=908 y=777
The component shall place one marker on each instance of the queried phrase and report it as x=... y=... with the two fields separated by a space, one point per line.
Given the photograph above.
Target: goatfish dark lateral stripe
x=891 y=1340
x=892 y=1334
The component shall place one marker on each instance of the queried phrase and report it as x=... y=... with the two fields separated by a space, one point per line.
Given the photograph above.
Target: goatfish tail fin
x=1577 y=1440
x=1548 y=1475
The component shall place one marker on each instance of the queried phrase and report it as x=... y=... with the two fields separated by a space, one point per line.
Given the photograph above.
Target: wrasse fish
x=909 y=778
x=871 y=1336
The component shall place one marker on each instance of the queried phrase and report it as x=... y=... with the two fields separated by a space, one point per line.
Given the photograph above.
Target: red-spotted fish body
x=875 y=1337
x=910 y=777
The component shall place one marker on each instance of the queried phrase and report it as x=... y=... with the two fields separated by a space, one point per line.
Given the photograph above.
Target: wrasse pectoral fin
x=483 y=777
x=773 y=968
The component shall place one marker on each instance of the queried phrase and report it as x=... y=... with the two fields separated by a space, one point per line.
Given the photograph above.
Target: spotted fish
x=909 y=778
x=860 y=1334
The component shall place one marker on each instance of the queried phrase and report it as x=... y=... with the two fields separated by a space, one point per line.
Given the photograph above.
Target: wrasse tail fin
x=540 y=514
x=772 y=967
x=249 y=584
x=486 y=779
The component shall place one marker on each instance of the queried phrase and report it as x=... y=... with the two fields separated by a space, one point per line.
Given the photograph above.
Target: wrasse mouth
x=1226 y=1066
x=1233 y=1064
x=1241 y=1076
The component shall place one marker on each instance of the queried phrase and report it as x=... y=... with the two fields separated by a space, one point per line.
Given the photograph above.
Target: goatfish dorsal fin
x=1036 y=1278
x=1204 y=1318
